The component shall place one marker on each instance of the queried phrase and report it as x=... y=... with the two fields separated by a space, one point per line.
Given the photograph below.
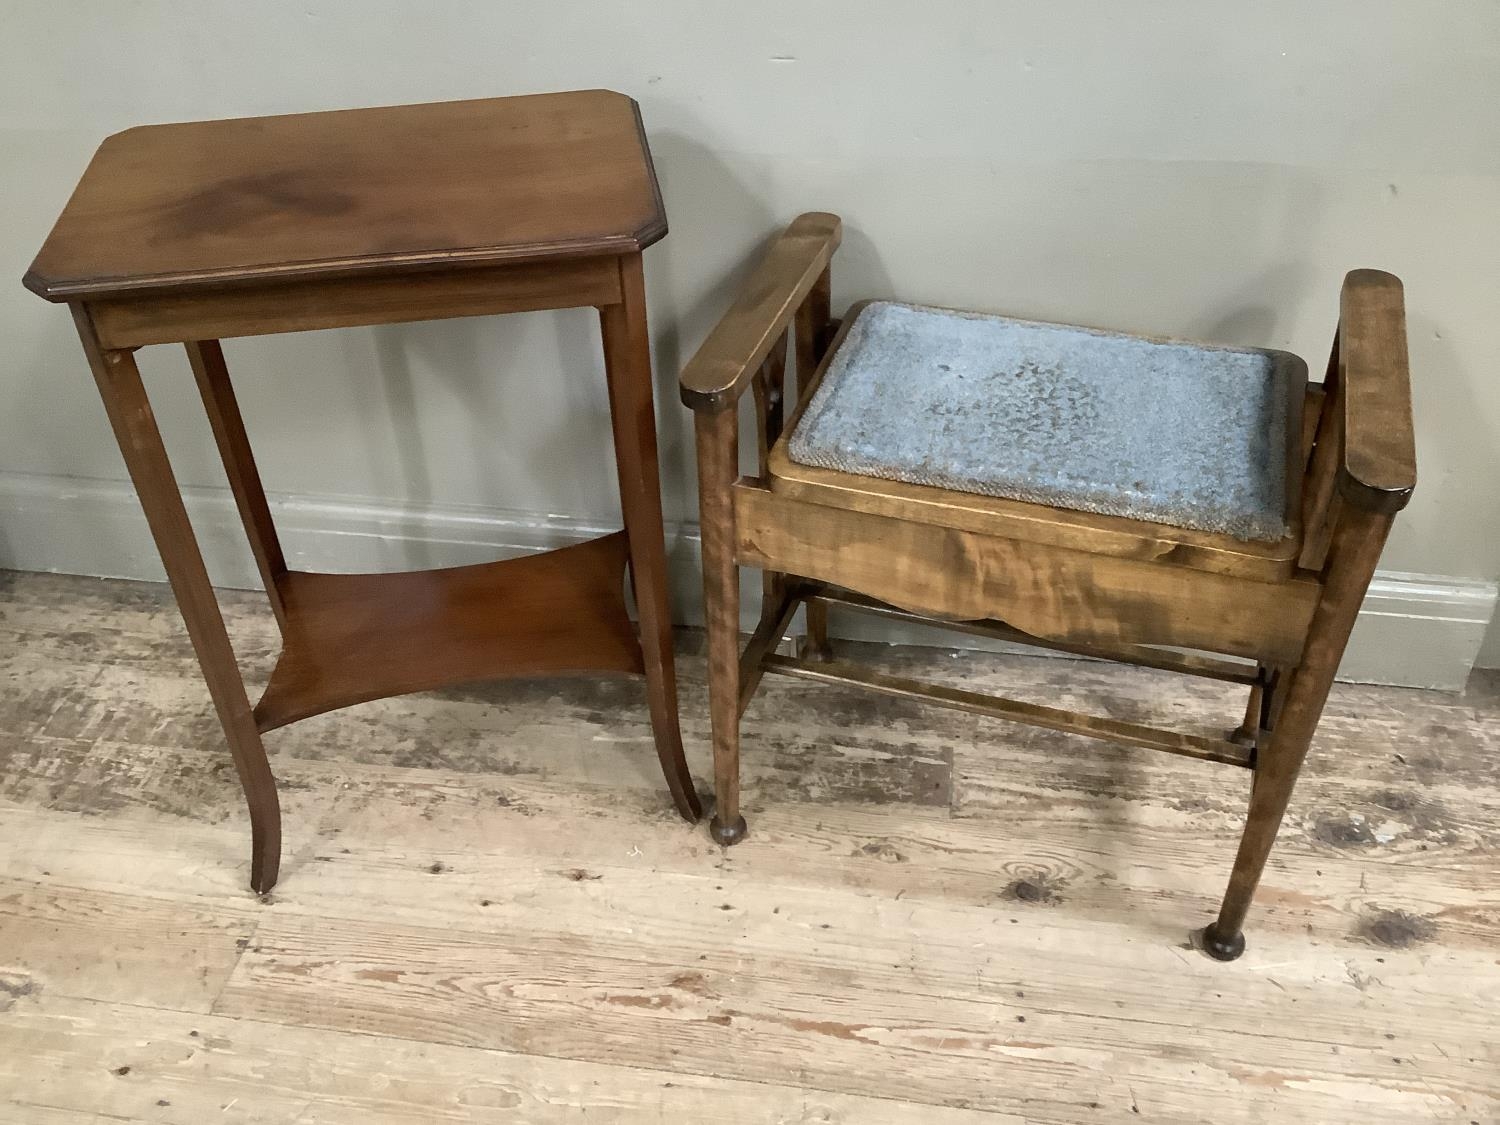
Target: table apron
x=352 y=301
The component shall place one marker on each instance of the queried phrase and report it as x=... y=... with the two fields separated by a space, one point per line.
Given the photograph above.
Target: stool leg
x=1351 y=564
x=140 y=442
x=812 y=336
x=1245 y=733
x=627 y=362
x=815 y=644
x=1266 y=698
x=718 y=468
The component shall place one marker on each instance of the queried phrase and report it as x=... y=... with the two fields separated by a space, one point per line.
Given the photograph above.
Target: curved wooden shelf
x=350 y=638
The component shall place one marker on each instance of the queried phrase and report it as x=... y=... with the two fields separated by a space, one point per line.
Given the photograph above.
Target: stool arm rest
x=726 y=362
x=1379 y=467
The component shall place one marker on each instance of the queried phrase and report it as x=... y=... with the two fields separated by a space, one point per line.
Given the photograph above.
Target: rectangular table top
x=387 y=190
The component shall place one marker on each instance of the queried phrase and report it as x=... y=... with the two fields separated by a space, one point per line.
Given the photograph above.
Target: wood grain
x=1052 y=718
x=1380 y=458
x=1050 y=592
x=1116 y=536
x=120 y=947
x=196 y=231
x=195 y=1069
x=1191 y=664
x=134 y=423
x=1355 y=549
x=306 y=306
x=384 y=190
x=355 y=637
x=627 y=365
x=1014 y=519
x=718 y=466
x=724 y=364
x=1074 y=581
x=866 y=957
x=1324 y=465
x=877 y=1028
x=1028 y=806
x=210 y=372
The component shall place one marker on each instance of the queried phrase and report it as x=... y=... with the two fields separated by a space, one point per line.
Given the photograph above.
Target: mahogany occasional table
x=194 y=232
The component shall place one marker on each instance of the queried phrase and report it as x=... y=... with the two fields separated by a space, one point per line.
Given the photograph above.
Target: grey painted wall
x=1203 y=169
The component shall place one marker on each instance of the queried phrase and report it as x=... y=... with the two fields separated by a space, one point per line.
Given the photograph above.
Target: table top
x=394 y=189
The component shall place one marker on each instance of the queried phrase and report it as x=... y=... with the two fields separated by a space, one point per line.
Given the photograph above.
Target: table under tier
x=349 y=638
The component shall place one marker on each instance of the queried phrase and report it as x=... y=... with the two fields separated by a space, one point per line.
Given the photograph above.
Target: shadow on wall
x=723 y=221
x=722 y=224
x=691 y=279
x=523 y=410
x=1286 y=226
x=1255 y=322
x=1437 y=414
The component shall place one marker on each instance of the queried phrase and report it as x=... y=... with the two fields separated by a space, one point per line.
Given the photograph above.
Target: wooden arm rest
x=1380 y=460
x=716 y=377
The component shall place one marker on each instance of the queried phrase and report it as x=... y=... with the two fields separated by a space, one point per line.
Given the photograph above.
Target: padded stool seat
x=1185 y=435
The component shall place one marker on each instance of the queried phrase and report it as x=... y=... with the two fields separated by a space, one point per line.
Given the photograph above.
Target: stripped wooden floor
x=489 y=913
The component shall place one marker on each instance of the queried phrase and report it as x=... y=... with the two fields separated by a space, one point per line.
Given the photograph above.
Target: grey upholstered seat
x=1180 y=434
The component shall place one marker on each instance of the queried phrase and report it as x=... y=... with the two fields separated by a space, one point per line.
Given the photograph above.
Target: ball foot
x=1221 y=947
x=733 y=834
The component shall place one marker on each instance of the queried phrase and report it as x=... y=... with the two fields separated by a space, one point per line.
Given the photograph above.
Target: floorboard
x=488 y=911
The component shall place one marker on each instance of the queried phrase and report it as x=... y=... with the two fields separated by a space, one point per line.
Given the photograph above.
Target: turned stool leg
x=1350 y=566
x=627 y=361
x=815 y=644
x=1246 y=732
x=145 y=457
x=1266 y=697
x=812 y=336
x=718 y=467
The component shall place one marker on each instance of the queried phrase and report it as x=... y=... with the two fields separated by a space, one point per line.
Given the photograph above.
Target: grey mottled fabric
x=1174 y=433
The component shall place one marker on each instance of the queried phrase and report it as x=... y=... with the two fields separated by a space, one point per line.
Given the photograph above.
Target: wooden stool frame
x=1103 y=587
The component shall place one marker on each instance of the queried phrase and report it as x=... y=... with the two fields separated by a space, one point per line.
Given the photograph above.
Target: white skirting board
x=1415 y=630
